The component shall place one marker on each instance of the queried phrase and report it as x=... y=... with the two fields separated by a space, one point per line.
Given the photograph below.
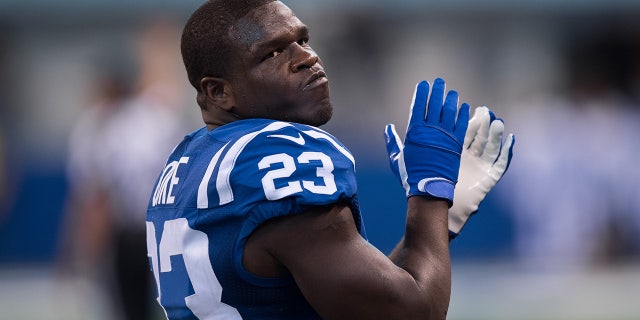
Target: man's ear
x=216 y=92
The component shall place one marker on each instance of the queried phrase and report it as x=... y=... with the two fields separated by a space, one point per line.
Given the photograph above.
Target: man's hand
x=484 y=161
x=429 y=160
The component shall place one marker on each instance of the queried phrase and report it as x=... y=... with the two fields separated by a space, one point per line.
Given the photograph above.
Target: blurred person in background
x=116 y=149
x=581 y=149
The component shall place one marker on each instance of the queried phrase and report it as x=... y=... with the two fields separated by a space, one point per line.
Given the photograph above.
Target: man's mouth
x=316 y=79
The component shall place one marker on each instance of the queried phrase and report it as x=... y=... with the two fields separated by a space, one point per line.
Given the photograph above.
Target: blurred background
x=93 y=97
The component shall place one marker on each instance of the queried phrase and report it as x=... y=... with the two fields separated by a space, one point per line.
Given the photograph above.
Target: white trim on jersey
x=321 y=135
x=203 y=198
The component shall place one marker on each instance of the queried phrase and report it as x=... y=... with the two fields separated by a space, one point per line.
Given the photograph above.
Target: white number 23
x=288 y=163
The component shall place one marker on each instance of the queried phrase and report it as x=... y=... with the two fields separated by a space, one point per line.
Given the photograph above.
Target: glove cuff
x=435 y=187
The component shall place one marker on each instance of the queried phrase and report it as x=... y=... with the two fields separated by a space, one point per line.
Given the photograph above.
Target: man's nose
x=302 y=57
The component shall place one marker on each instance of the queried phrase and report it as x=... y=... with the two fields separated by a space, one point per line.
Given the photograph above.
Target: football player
x=256 y=215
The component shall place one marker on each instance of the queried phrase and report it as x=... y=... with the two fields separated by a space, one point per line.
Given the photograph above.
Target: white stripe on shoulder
x=319 y=134
x=223 y=186
x=203 y=197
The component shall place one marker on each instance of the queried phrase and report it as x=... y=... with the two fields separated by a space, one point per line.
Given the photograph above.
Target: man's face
x=276 y=74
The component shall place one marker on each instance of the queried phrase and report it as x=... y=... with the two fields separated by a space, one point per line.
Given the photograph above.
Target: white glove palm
x=483 y=162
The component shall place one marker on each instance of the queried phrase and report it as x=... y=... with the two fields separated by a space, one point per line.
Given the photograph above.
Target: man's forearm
x=424 y=251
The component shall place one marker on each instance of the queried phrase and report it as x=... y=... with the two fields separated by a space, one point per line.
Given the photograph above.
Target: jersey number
x=324 y=171
x=178 y=239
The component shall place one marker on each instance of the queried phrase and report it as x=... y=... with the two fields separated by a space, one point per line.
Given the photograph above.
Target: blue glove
x=429 y=160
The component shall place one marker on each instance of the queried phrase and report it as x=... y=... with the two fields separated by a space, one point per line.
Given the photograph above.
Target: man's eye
x=273 y=54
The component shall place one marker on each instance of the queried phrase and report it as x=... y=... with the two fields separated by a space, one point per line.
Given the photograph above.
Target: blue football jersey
x=217 y=187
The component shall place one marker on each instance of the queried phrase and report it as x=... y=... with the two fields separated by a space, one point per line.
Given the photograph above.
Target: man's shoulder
x=274 y=159
x=265 y=136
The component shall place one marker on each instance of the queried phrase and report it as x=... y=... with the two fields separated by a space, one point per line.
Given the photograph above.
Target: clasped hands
x=447 y=155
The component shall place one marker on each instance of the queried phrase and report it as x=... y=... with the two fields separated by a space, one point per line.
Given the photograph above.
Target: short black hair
x=205 y=43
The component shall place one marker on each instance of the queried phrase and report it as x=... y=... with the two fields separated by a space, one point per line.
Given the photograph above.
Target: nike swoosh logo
x=299 y=140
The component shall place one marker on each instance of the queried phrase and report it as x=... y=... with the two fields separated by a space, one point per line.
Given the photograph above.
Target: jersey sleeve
x=281 y=170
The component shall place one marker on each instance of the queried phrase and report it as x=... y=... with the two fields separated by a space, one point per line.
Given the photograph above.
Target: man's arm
x=345 y=277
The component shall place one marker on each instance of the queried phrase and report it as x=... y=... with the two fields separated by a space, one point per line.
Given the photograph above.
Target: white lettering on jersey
x=163 y=192
x=299 y=140
x=179 y=240
x=288 y=167
x=325 y=171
